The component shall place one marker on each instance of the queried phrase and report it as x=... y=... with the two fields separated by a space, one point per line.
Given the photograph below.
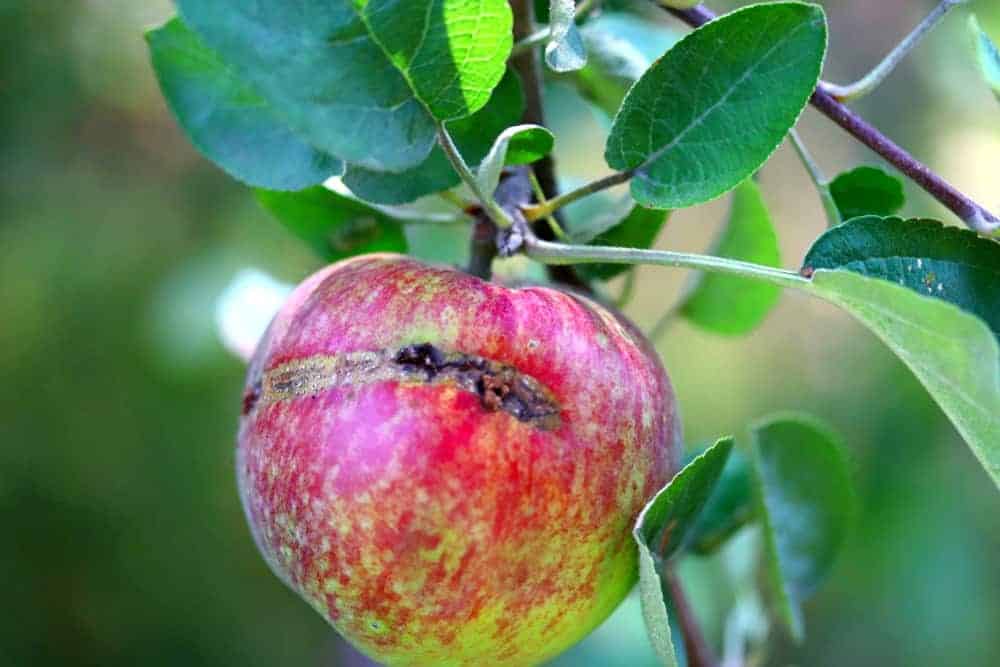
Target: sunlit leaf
x=474 y=137
x=362 y=80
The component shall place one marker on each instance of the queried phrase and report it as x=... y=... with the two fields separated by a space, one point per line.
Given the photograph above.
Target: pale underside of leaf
x=565 y=51
x=988 y=54
x=667 y=519
x=953 y=353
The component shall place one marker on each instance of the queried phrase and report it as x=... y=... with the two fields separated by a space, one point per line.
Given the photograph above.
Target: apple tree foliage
x=347 y=117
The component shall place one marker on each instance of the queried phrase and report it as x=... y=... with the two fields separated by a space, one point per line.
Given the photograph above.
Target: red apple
x=448 y=470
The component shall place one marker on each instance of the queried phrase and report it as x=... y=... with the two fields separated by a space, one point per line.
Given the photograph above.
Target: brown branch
x=971 y=213
x=699 y=653
x=528 y=66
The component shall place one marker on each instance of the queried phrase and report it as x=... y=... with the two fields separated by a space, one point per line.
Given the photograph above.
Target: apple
x=447 y=469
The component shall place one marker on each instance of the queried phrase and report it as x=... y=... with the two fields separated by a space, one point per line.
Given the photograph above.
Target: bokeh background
x=123 y=542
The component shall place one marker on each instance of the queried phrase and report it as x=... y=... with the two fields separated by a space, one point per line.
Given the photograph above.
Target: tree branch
x=699 y=653
x=971 y=213
x=528 y=66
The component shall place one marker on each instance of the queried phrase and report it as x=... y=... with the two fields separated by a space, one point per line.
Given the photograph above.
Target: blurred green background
x=123 y=539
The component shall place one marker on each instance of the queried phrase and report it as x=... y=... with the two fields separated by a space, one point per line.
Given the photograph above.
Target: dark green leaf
x=227 y=120
x=565 y=51
x=521 y=144
x=362 y=80
x=335 y=226
x=728 y=304
x=954 y=354
x=730 y=507
x=691 y=137
x=473 y=135
x=807 y=501
x=988 y=54
x=639 y=229
x=661 y=530
x=867 y=191
x=948 y=263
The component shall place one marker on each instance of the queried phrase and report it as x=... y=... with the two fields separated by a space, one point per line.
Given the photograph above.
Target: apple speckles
x=415 y=499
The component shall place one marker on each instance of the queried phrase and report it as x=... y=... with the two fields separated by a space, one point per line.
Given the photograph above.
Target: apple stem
x=699 y=653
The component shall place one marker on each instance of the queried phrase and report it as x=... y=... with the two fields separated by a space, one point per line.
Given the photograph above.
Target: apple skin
x=452 y=516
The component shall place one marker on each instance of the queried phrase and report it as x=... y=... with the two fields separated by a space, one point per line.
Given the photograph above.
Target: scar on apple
x=500 y=387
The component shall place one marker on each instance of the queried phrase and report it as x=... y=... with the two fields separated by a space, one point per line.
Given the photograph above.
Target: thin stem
x=699 y=653
x=536 y=38
x=818 y=179
x=547 y=208
x=547 y=252
x=880 y=72
x=554 y=225
x=971 y=213
x=493 y=210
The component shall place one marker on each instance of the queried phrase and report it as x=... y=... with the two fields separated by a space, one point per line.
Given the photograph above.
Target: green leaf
x=730 y=507
x=473 y=135
x=732 y=305
x=806 y=503
x=948 y=263
x=954 y=354
x=565 y=51
x=661 y=530
x=521 y=144
x=227 y=120
x=711 y=111
x=335 y=226
x=362 y=79
x=438 y=244
x=867 y=191
x=988 y=55
x=638 y=229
